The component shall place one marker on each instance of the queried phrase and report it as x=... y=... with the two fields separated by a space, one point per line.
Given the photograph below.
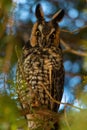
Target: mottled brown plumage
x=41 y=64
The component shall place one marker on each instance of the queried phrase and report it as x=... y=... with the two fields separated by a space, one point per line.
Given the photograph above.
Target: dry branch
x=75 y=31
x=69 y=49
x=57 y=102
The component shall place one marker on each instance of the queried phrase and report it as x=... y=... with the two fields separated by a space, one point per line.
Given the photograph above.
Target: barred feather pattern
x=41 y=67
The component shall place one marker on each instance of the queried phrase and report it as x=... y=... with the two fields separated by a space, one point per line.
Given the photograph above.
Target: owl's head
x=45 y=34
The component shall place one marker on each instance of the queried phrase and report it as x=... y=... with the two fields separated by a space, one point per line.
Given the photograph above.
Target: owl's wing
x=57 y=85
x=57 y=79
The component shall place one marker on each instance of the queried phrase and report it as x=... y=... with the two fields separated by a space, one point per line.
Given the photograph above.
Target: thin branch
x=75 y=31
x=69 y=49
x=74 y=74
x=57 y=102
x=66 y=120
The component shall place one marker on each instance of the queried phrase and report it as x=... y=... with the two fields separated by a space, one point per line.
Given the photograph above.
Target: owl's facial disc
x=46 y=34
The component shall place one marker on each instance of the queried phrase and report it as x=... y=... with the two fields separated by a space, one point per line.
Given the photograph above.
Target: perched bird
x=40 y=71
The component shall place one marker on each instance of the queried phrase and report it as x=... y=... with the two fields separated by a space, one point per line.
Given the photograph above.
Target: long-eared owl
x=40 y=72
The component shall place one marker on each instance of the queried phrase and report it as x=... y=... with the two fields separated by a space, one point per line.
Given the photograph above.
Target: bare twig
x=77 y=30
x=66 y=120
x=57 y=102
x=73 y=74
x=69 y=49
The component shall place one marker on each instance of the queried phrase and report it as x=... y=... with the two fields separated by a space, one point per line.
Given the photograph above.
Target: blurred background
x=16 y=21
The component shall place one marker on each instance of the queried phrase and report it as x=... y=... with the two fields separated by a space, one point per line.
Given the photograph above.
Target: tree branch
x=75 y=31
x=69 y=49
x=57 y=102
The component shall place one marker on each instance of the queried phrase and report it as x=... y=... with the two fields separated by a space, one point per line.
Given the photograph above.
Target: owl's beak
x=44 y=42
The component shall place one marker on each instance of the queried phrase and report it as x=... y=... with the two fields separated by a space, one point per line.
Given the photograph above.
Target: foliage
x=10 y=118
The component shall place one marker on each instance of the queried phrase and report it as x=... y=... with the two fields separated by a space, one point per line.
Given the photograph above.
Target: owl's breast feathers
x=39 y=68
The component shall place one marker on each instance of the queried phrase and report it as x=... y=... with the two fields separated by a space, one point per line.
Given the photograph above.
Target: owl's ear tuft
x=57 y=17
x=39 y=13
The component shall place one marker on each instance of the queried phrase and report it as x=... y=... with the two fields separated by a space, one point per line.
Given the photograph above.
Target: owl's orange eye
x=38 y=33
x=52 y=35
